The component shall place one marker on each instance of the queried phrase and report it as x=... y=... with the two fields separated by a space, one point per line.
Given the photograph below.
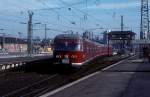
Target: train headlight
x=58 y=56
x=83 y=56
x=74 y=56
x=66 y=56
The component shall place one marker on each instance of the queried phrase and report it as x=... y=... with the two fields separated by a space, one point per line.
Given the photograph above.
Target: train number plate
x=65 y=61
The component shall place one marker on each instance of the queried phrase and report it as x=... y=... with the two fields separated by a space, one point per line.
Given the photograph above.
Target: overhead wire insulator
x=58 y=17
x=69 y=9
x=85 y=17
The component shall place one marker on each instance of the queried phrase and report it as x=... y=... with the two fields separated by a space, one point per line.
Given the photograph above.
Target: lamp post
x=3 y=38
x=20 y=47
x=108 y=42
x=30 y=36
x=108 y=38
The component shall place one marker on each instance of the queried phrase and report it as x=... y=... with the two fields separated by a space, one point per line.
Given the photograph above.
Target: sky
x=68 y=15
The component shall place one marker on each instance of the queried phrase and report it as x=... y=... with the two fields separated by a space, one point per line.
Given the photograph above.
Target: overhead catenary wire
x=51 y=9
x=85 y=17
x=16 y=18
x=52 y=29
x=70 y=21
x=57 y=8
x=80 y=11
x=51 y=23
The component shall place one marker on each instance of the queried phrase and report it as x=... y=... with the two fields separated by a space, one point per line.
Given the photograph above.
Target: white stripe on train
x=82 y=63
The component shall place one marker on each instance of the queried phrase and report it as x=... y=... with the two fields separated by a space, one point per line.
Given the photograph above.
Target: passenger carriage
x=74 y=50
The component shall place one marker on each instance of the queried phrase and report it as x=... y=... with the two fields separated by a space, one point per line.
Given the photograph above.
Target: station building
x=121 y=41
x=12 y=44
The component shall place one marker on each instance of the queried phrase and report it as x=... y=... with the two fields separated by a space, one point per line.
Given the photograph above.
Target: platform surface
x=130 y=78
x=7 y=59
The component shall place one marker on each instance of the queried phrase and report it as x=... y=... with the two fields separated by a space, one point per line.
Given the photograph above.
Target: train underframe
x=75 y=59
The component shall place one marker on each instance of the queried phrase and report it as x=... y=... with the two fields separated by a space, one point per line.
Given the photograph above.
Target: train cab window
x=63 y=46
x=77 y=47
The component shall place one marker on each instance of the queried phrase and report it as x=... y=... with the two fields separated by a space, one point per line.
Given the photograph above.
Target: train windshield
x=65 y=46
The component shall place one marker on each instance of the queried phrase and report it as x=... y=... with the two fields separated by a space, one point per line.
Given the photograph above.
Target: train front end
x=68 y=49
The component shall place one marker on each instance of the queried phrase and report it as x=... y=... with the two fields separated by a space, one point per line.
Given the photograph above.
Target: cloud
x=112 y=6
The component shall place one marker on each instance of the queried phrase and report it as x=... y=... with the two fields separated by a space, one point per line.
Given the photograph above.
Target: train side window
x=78 y=47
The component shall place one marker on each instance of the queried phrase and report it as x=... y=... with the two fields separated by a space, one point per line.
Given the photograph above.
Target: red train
x=75 y=50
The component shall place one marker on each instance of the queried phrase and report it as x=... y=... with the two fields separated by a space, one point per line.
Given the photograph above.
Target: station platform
x=128 y=78
x=11 y=61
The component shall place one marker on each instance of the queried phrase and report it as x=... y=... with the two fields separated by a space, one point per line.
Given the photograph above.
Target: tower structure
x=144 y=33
x=30 y=33
x=122 y=24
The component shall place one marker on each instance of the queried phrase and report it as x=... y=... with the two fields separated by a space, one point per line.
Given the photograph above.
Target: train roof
x=94 y=42
x=68 y=36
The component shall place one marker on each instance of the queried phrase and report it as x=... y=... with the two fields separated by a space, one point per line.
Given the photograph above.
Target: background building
x=122 y=41
x=12 y=44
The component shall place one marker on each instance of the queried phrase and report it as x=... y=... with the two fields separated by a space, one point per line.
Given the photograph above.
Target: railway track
x=53 y=80
x=28 y=90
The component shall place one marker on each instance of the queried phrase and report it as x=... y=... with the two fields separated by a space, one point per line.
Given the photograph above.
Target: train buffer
x=12 y=61
x=128 y=78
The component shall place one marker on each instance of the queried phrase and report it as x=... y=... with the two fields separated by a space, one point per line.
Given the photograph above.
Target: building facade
x=12 y=44
x=121 y=41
